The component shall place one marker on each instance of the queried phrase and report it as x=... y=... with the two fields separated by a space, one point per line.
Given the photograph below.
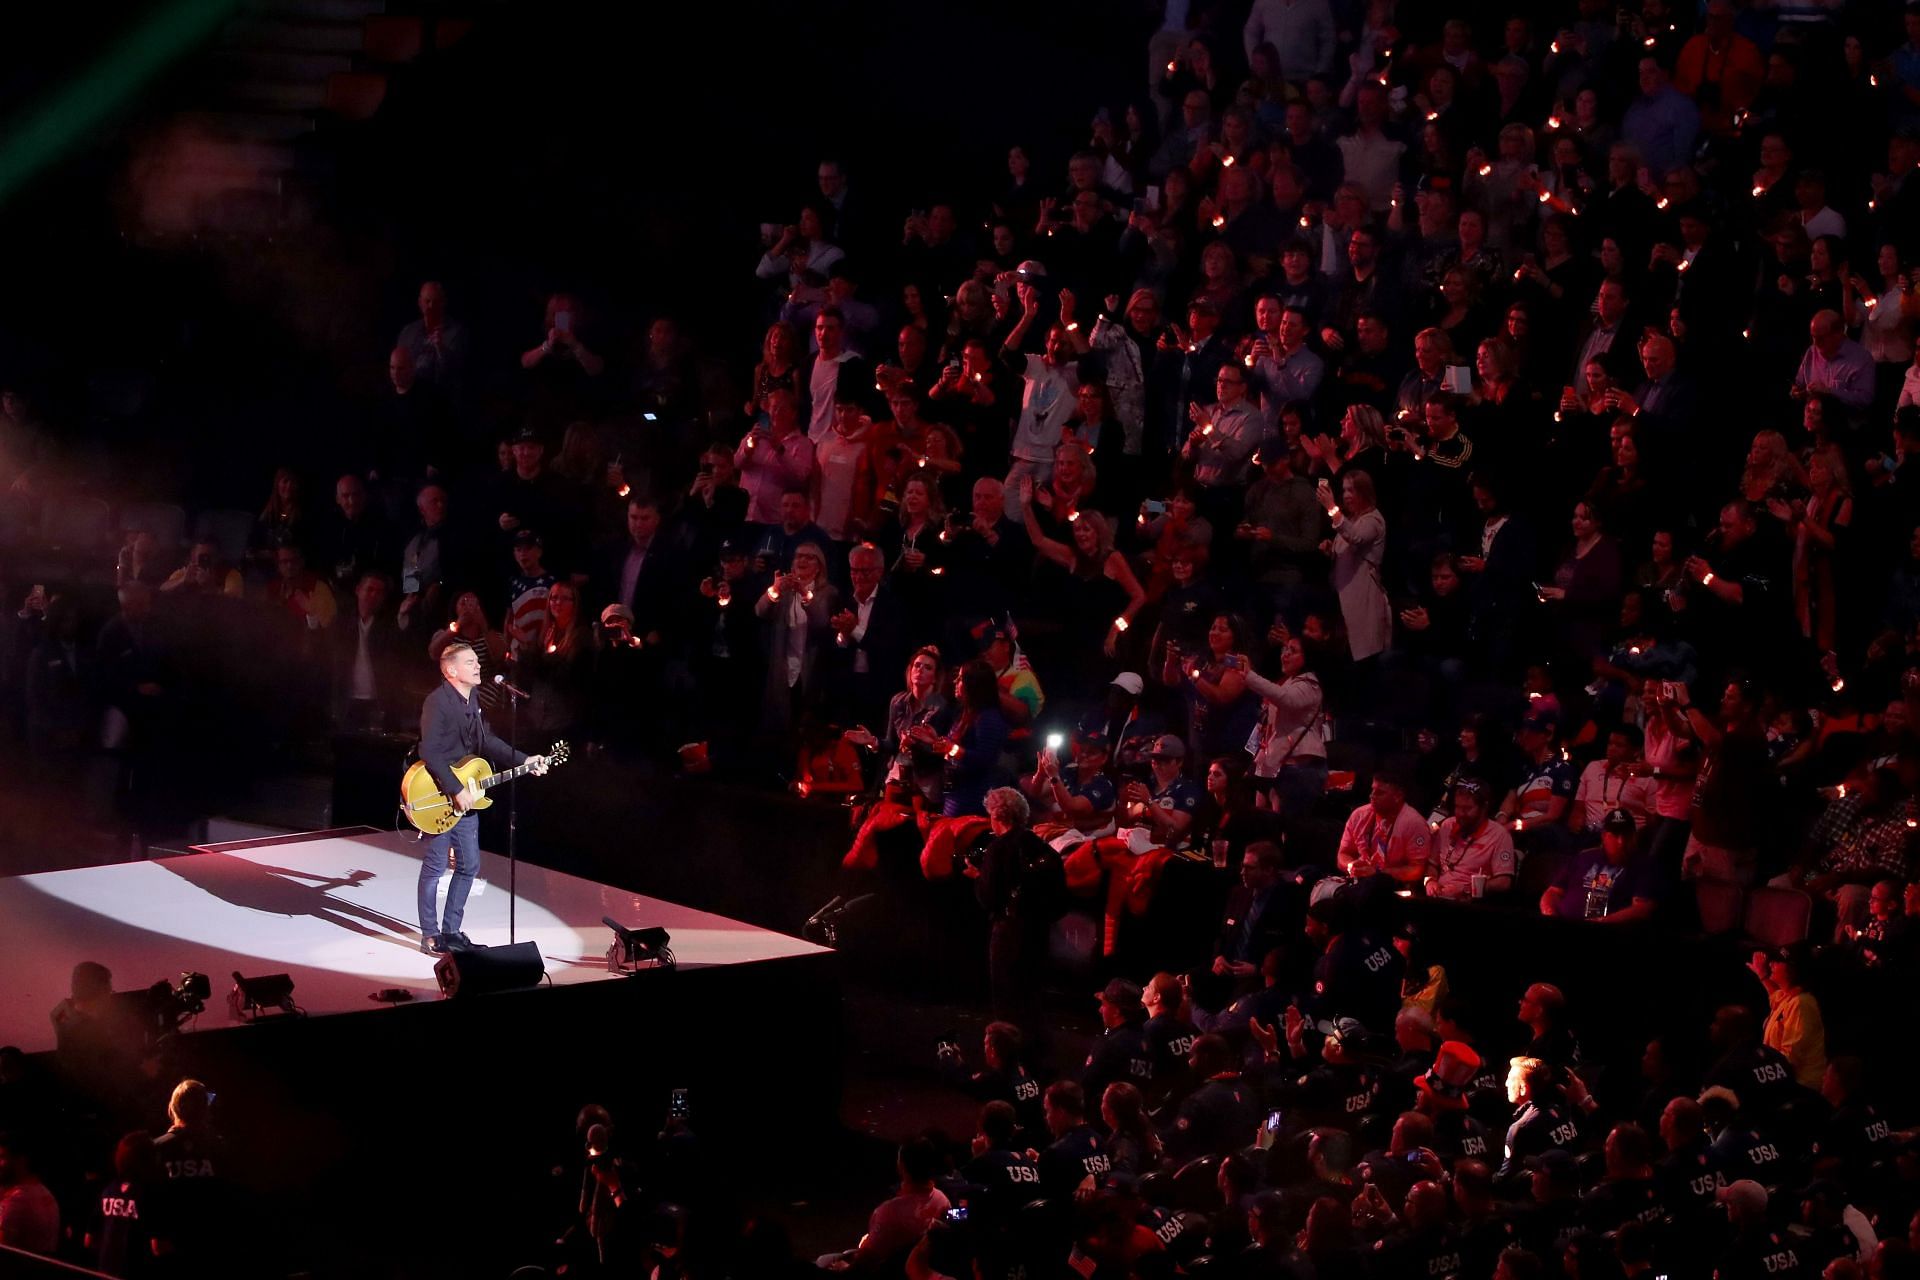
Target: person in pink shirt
x=1672 y=760
x=29 y=1215
x=1385 y=835
x=843 y=474
x=897 y=1225
x=774 y=458
x=1467 y=845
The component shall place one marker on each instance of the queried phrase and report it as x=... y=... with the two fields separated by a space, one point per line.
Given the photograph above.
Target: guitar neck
x=507 y=775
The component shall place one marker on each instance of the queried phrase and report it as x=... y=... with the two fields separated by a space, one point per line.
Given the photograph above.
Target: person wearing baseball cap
x=1121 y=1051
x=1081 y=797
x=1536 y=808
x=1615 y=882
x=1468 y=850
x=1167 y=803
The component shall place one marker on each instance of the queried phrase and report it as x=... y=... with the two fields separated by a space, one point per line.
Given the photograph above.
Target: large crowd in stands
x=1401 y=457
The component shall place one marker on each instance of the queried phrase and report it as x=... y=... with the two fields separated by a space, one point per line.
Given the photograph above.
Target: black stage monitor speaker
x=484 y=969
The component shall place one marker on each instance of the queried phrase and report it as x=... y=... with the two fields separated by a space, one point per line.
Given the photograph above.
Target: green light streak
x=55 y=126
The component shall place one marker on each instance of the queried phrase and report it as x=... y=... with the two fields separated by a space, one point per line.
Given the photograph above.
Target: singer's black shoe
x=434 y=946
x=464 y=943
x=455 y=941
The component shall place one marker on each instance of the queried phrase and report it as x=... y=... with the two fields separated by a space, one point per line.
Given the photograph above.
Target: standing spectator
x=1302 y=30
x=438 y=346
x=1022 y=888
x=1733 y=773
x=282 y=522
x=1662 y=122
x=1357 y=547
x=843 y=480
x=1370 y=158
x=1835 y=365
x=194 y=1158
x=355 y=542
x=1290 y=751
x=796 y=610
x=775 y=457
x=1820 y=525
x=1223 y=437
x=29 y=1215
x=1050 y=380
x=800 y=247
x=129 y=1237
x=427 y=563
x=367 y=661
x=527 y=591
x=834 y=365
x=779 y=367
x=563 y=371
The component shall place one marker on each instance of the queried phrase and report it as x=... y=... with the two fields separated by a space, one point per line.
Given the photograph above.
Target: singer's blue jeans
x=464 y=840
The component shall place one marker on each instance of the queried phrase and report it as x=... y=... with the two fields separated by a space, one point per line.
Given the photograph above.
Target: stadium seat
x=1719 y=903
x=448 y=32
x=1196 y=1185
x=389 y=39
x=166 y=522
x=355 y=95
x=228 y=530
x=1777 y=917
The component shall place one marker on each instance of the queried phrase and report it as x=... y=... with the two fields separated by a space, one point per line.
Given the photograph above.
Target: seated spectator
x=1615 y=882
x=1471 y=856
x=897 y=1225
x=1793 y=1028
x=1620 y=779
x=1865 y=834
x=1385 y=835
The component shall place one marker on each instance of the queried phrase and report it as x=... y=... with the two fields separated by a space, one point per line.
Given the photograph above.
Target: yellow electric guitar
x=428 y=809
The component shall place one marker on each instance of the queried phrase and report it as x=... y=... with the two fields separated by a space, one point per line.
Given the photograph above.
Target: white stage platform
x=335 y=910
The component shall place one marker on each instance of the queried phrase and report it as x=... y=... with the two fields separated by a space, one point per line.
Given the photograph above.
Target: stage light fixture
x=637 y=949
x=255 y=998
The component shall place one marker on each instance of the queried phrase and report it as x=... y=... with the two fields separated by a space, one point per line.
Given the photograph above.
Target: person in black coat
x=870 y=641
x=642 y=572
x=368 y=697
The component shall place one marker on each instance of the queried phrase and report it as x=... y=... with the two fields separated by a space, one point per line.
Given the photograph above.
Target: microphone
x=512 y=689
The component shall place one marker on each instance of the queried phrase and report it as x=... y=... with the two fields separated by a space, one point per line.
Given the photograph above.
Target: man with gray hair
x=1834 y=365
x=1022 y=886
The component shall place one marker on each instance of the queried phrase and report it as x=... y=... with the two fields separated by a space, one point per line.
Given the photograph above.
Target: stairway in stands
x=227 y=161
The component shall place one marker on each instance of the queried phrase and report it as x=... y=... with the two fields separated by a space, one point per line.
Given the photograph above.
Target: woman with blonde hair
x=1769 y=462
x=1818 y=526
x=779 y=367
x=1362 y=443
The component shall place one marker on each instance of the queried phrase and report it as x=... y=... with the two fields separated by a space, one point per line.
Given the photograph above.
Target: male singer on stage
x=451 y=729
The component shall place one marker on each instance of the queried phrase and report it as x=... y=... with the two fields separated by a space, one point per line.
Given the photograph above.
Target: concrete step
x=317 y=10
x=277 y=95
x=293 y=35
x=267 y=126
x=273 y=65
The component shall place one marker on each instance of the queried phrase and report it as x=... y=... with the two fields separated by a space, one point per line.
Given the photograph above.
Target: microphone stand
x=513 y=826
x=513 y=814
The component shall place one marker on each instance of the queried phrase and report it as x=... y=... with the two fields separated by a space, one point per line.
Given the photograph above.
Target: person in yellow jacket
x=1794 y=1028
